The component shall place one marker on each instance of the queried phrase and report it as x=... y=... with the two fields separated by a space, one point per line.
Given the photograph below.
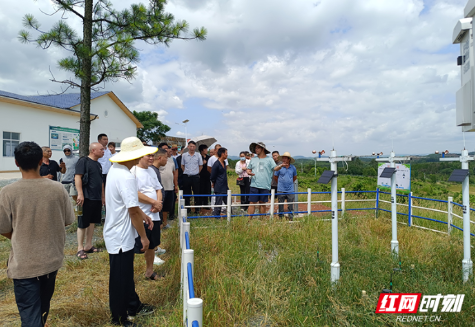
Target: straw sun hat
x=287 y=154
x=252 y=147
x=132 y=148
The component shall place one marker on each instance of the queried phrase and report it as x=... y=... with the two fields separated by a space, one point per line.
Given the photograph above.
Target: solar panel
x=326 y=177
x=388 y=172
x=458 y=175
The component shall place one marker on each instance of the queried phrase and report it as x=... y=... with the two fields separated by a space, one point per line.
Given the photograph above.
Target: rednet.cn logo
x=405 y=303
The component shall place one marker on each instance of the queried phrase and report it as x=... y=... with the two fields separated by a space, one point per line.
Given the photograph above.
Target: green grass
x=267 y=273
x=264 y=273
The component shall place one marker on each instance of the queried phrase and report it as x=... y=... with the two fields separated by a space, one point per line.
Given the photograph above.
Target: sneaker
x=157 y=261
x=167 y=226
x=160 y=251
x=144 y=310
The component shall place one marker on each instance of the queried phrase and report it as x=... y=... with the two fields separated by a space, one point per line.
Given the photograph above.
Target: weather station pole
x=461 y=175
x=324 y=179
x=391 y=172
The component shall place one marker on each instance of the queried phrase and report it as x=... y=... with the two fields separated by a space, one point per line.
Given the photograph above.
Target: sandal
x=81 y=255
x=93 y=250
x=153 y=275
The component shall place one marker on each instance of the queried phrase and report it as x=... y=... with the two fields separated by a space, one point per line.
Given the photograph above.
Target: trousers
x=123 y=299
x=290 y=207
x=33 y=297
x=191 y=183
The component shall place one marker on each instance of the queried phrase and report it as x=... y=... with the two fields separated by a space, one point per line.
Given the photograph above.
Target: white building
x=53 y=120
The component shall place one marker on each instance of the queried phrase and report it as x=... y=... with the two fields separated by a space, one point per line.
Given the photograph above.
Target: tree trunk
x=85 y=120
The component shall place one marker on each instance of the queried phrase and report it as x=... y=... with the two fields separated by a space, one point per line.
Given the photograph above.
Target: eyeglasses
x=67 y=150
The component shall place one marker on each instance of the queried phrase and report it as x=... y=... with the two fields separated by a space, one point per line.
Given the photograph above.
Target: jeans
x=290 y=207
x=122 y=296
x=33 y=296
x=220 y=199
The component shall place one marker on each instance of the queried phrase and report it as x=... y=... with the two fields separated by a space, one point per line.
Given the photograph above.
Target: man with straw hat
x=285 y=174
x=261 y=170
x=124 y=219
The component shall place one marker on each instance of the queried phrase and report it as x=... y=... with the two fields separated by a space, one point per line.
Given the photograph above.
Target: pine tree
x=105 y=52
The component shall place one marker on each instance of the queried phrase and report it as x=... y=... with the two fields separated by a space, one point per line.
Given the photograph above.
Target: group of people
x=205 y=174
x=137 y=188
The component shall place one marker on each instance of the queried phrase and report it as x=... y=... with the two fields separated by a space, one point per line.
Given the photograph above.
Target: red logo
x=398 y=302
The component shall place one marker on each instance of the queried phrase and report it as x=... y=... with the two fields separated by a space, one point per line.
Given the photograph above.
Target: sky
x=361 y=76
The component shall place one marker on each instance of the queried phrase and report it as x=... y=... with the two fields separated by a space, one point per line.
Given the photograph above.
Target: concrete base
x=335 y=272
x=395 y=248
x=467 y=269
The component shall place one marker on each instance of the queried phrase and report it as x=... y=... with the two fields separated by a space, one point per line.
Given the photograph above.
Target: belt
x=197 y=175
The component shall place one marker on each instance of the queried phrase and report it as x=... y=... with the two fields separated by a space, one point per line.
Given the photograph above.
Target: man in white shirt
x=104 y=161
x=214 y=157
x=124 y=219
x=150 y=198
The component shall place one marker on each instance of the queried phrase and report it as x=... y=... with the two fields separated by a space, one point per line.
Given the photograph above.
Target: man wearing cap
x=175 y=153
x=124 y=219
x=261 y=169
x=70 y=160
x=286 y=174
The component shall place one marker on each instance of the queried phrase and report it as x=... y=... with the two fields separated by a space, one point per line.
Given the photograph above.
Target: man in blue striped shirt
x=191 y=164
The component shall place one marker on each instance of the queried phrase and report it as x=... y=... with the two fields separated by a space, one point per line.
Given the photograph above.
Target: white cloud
x=297 y=75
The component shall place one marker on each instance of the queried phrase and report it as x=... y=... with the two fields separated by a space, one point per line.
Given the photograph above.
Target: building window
x=10 y=141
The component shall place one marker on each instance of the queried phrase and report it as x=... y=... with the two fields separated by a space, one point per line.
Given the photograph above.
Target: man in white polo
x=124 y=219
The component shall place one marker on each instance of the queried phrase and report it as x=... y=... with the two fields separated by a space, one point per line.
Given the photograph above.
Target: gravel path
x=5 y=182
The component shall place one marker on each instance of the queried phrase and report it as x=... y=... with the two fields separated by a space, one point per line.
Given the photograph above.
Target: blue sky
x=297 y=75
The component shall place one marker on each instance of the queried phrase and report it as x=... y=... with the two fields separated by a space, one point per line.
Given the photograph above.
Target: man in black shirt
x=219 y=180
x=205 y=183
x=91 y=197
x=50 y=168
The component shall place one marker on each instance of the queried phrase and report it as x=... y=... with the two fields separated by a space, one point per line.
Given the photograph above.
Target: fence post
x=309 y=201
x=272 y=199
x=228 y=206
x=186 y=228
x=195 y=311
x=188 y=256
x=180 y=197
x=409 y=210
x=182 y=219
x=376 y=212
x=342 y=201
x=450 y=207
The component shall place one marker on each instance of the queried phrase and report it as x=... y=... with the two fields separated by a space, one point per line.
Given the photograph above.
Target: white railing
x=192 y=306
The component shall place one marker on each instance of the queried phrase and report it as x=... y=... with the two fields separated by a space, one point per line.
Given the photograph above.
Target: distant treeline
x=427 y=168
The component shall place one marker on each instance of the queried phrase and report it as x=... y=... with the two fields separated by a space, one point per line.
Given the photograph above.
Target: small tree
x=105 y=50
x=153 y=129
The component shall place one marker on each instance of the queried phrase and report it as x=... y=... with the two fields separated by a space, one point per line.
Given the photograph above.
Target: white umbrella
x=203 y=139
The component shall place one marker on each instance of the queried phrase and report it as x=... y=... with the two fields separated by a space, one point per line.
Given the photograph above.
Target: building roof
x=67 y=101
x=62 y=101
